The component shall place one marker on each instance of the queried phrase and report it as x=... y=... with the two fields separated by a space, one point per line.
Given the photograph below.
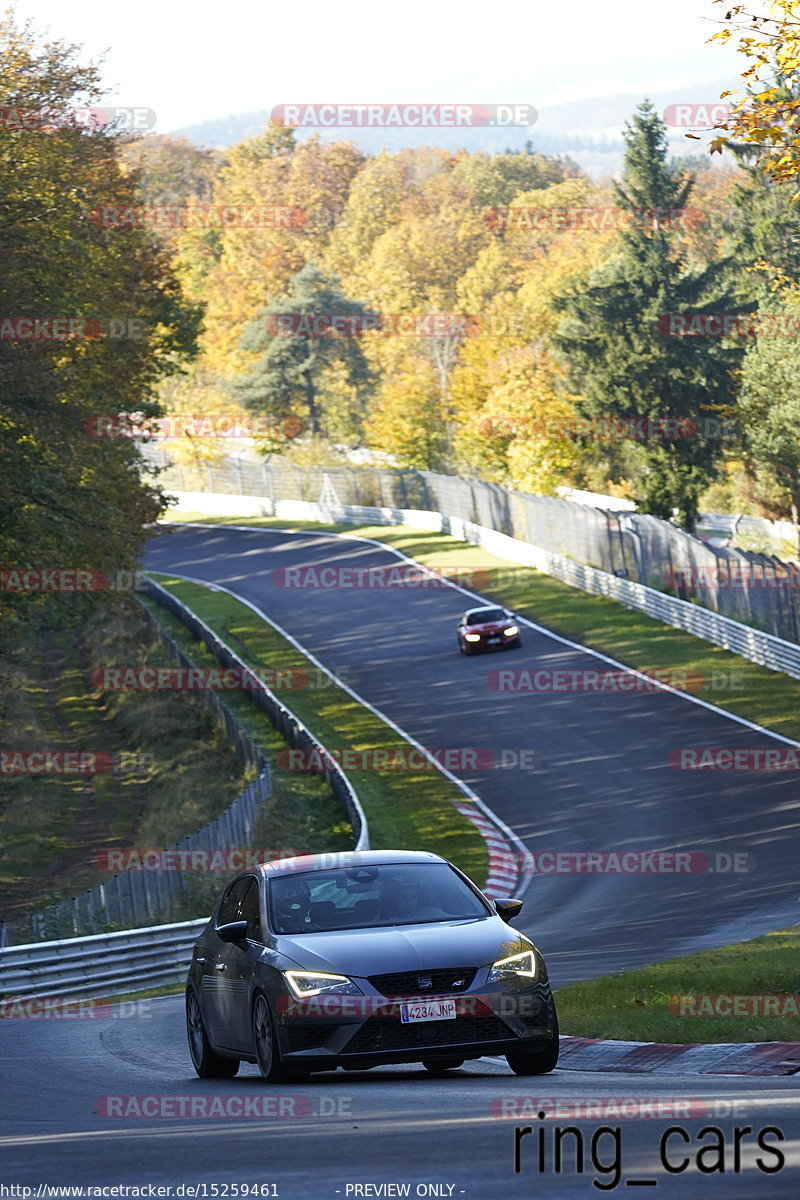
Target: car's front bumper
x=368 y=1030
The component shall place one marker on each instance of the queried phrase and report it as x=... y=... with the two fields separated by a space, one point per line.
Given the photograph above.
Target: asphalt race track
x=388 y=1126
x=600 y=781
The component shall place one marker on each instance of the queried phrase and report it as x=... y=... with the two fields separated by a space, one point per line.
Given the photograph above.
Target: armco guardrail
x=101 y=965
x=279 y=715
x=751 y=588
x=759 y=647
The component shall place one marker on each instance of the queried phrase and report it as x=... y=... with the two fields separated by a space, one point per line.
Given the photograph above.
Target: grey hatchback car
x=360 y=959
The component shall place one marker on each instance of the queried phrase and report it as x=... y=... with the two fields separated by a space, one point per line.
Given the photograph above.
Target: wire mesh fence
x=755 y=588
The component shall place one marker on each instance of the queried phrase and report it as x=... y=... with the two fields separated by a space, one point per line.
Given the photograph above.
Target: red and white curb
x=662 y=1058
x=505 y=878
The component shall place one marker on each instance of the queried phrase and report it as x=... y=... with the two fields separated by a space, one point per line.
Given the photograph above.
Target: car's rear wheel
x=438 y=1066
x=207 y=1064
x=268 y=1056
x=538 y=1061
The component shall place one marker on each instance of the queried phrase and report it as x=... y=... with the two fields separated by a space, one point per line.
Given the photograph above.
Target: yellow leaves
x=407 y=420
x=766 y=115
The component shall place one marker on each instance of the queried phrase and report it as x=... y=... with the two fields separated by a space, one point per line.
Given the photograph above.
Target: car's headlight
x=472 y=637
x=518 y=966
x=512 y=631
x=315 y=983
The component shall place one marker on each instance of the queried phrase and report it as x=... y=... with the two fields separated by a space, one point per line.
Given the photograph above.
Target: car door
x=221 y=984
x=241 y=965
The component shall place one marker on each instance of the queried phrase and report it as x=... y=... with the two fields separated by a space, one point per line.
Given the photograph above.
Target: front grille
x=307 y=1037
x=407 y=983
x=376 y=1034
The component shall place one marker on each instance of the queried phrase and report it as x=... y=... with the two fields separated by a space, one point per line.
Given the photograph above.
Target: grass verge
x=687 y=999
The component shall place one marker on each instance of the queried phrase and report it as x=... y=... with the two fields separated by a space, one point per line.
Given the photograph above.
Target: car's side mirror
x=234 y=931
x=508 y=909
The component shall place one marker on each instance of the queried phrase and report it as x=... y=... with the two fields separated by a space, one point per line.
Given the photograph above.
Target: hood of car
x=490 y=626
x=364 y=952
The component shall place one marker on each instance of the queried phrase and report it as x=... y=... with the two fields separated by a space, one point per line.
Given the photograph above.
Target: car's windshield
x=369 y=897
x=482 y=616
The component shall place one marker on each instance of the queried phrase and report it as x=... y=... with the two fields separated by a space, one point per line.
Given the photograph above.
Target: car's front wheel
x=268 y=1056
x=538 y=1061
x=207 y=1064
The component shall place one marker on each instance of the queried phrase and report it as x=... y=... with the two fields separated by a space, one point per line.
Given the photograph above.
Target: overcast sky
x=192 y=62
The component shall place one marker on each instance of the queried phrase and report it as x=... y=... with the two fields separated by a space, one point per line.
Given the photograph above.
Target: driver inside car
x=403 y=903
x=291 y=902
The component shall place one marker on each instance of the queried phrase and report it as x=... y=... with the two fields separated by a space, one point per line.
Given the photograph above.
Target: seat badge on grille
x=424 y=981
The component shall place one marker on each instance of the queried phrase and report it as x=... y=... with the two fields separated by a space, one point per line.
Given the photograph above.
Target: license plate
x=493 y=641
x=428 y=1010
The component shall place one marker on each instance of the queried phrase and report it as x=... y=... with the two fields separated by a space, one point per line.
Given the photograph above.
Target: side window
x=251 y=913
x=232 y=901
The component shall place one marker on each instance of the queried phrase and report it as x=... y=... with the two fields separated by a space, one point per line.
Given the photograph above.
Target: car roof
x=346 y=859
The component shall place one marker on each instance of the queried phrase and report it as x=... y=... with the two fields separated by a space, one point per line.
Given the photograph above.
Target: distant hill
x=589 y=131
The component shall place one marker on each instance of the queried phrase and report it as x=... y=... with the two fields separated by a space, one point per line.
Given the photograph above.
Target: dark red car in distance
x=489 y=628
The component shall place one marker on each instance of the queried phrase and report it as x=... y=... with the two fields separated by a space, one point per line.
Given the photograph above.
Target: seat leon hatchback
x=360 y=959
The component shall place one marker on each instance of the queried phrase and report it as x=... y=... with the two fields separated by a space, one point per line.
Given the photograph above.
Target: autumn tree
x=765 y=114
x=67 y=496
x=769 y=405
x=299 y=349
x=619 y=355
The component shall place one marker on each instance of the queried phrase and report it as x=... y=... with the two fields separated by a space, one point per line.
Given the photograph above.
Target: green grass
x=409 y=809
x=645 y=1005
x=764 y=697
